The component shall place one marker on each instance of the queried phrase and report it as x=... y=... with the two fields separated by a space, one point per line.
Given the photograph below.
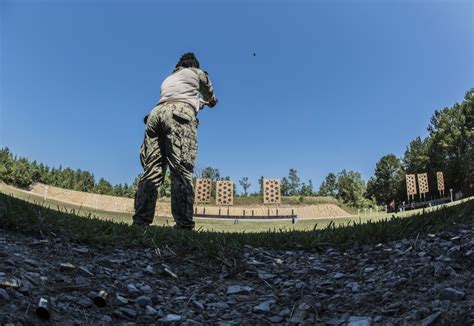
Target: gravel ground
x=426 y=280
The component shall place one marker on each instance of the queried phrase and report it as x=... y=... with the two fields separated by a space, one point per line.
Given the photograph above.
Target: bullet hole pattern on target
x=423 y=183
x=440 y=179
x=224 y=193
x=203 y=191
x=411 y=184
x=271 y=191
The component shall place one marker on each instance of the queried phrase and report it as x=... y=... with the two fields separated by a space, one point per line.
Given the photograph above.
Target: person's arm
x=206 y=89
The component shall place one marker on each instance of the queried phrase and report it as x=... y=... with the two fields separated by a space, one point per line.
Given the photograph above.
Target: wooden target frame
x=224 y=193
x=203 y=191
x=423 y=185
x=411 y=186
x=271 y=191
x=440 y=182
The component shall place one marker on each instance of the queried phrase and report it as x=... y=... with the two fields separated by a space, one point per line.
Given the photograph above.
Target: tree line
x=449 y=148
x=21 y=172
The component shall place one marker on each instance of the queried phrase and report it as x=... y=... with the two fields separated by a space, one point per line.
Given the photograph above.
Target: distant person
x=171 y=141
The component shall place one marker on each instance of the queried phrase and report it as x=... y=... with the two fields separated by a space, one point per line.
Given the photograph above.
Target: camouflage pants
x=170 y=140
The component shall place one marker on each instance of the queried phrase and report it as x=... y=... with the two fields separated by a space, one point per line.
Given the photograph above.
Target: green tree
x=351 y=188
x=103 y=187
x=260 y=185
x=21 y=173
x=307 y=189
x=285 y=187
x=329 y=186
x=294 y=182
x=6 y=165
x=245 y=184
x=387 y=182
x=452 y=142
x=416 y=158
x=210 y=173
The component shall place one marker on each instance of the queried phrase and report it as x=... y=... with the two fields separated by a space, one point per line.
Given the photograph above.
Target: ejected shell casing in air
x=100 y=298
x=43 y=309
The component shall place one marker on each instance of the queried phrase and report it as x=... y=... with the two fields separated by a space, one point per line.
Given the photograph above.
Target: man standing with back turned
x=171 y=140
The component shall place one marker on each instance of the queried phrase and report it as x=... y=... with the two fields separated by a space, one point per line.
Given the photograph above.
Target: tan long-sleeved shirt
x=184 y=85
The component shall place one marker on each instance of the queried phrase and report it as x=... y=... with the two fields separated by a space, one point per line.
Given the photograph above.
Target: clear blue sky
x=333 y=85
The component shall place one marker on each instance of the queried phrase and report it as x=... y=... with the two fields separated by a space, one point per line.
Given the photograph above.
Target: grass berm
x=22 y=216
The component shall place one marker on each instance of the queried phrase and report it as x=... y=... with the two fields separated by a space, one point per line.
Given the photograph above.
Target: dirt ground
x=125 y=205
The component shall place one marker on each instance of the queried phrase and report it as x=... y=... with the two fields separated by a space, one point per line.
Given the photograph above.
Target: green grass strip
x=30 y=218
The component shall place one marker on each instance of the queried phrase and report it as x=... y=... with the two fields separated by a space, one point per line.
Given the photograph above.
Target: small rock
x=235 y=289
x=452 y=294
x=284 y=312
x=265 y=275
x=26 y=288
x=170 y=318
x=128 y=312
x=455 y=252
x=359 y=321
x=81 y=280
x=143 y=301
x=146 y=289
x=320 y=270
x=354 y=286
x=122 y=299
x=218 y=305
x=430 y=319
x=263 y=307
x=106 y=319
x=300 y=314
x=377 y=319
x=4 y=295
x=198 y=305
x=175 y=290
x=85 y=302
x=275 y=319
x=131 y=288
x=150 y=311
x=149 y=269
x=339 y=275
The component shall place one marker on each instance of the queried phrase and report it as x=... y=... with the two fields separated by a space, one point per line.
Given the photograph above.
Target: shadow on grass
x=25 y=217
